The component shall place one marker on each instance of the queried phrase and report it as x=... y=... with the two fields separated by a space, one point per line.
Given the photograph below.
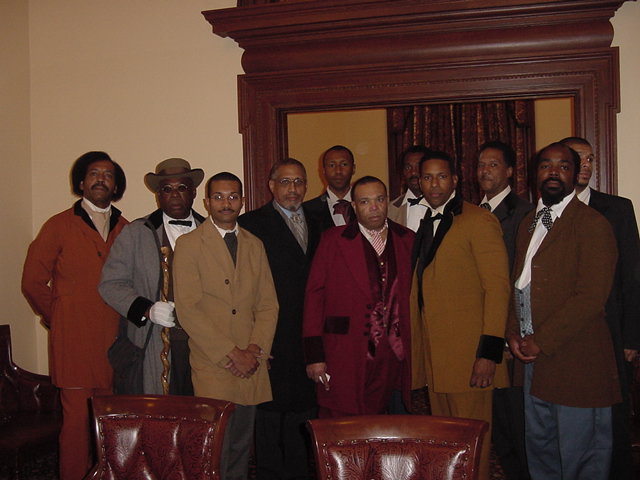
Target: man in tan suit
x=227 y=303
x=459 y=301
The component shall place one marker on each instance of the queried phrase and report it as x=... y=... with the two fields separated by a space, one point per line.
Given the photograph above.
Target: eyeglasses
x=168 y=189
x=297 y=182
x=232 y=197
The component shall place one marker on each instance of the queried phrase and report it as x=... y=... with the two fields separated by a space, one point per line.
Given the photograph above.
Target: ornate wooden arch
x=314 y=55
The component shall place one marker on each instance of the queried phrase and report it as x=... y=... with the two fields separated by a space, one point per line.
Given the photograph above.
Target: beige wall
x=144 y=80
x=364 y=132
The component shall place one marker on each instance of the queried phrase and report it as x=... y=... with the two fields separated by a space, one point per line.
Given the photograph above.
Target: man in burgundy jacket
x=356 y=317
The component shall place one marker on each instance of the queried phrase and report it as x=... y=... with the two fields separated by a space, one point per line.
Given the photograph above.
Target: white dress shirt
x=174 y=231
x=495 y=201
x=415 y=213
x=439 y=210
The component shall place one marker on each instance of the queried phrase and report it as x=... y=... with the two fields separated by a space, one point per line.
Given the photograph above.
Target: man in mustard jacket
x=226 y=302
x=459 y=301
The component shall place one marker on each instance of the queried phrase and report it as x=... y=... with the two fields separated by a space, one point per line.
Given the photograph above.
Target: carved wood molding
x=328 y=54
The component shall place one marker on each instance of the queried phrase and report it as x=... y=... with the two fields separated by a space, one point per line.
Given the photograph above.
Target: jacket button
x=369 y=306
x=233 y=311
x=226 y=281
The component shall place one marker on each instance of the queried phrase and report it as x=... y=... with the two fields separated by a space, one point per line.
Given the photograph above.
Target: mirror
x=339 y=55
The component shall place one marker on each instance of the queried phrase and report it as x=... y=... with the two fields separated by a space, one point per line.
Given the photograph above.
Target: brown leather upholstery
x=30 y=413
x=397 y=447
x=158 y=436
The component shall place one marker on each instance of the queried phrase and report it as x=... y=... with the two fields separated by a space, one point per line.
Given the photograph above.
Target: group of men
x=342 y=304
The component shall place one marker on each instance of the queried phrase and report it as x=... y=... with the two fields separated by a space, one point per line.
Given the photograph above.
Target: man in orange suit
x=60 y=280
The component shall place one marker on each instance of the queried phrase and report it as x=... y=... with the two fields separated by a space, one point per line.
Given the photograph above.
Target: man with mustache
x=290 y=241
x=496 y=163
x=459 y=301
x=357 y=336
x=60 y=280
x=623 y=305
x=226 y=302
x=333 y=207
x=407 y=209
x=563 y=271
x=132 y=276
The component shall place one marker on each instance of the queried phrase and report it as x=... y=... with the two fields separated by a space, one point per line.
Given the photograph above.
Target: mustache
x=552 y=180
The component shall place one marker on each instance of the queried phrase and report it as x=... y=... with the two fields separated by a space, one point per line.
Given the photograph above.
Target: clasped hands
x=244 y=363
x=525 y=348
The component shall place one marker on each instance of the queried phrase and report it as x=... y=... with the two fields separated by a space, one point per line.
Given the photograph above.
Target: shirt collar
x=222 y=231
x=333 y=198
x=495 y=201
x=287 y=212
x=585 y=195
x=166 y=218
x=441 y=208
x=558 y=208
x=95 y=208
x=367 y=233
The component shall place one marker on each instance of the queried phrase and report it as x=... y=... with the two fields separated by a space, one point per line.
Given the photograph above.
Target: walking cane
x=164 y=334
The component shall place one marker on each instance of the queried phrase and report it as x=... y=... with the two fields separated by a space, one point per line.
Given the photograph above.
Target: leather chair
x=30 y=414
x=158 y=436
x=397 y=447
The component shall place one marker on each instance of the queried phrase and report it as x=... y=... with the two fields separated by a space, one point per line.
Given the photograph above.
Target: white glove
x=162 y=313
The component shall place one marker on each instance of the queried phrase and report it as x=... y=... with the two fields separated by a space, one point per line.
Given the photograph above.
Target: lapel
x=505 y=208
x=217 y=249
x=560 y=225
x=352 y=251
x=283 y=231
x=598 y=202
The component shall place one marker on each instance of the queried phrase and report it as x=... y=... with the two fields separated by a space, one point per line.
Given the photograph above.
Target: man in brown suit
x=226 y=302
x=60 y=280
x=563 y=274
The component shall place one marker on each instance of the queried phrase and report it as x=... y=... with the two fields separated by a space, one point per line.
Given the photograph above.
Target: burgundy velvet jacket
x=338 y=304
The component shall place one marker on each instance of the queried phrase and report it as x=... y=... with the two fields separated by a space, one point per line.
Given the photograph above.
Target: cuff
x=137 y=310
x=313 y=350
x=491 y=348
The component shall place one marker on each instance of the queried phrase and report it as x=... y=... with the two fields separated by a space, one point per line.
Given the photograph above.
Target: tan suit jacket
x=466 y=295
x=397 y=211
x=222 y=307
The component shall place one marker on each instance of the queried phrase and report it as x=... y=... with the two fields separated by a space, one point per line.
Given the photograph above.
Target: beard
x=552 y=196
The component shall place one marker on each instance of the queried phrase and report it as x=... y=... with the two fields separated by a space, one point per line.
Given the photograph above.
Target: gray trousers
x=234 y=464
x=565 y=443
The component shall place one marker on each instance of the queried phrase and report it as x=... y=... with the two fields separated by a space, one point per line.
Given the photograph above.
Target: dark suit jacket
x=571 y=277
x=319 y=212
x=623 y=306
x=292 y=390
x=510 y=212
x=337 y=304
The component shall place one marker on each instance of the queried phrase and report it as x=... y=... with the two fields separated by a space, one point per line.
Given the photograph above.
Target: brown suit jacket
x=466 y=295
x=571 y=277
x=60 y=280
x=222 y=307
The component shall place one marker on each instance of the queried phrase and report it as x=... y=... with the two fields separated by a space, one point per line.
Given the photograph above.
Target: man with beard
x=333 y=207
x=357 y=337
x=496 y=163
x=563 y=274
x=132 y=276
x=407 y=209
x=60 y=280
x=290 y=241
x=227 y=304
x=623 y=305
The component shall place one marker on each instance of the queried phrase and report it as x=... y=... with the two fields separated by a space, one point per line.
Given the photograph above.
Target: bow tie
x=414 y=201
x=184 y=223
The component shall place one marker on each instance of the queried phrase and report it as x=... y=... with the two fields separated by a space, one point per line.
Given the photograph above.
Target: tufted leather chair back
x=397 y=447
x=158 y=437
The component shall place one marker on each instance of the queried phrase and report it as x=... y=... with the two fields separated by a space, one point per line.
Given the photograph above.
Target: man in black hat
x=136 y=278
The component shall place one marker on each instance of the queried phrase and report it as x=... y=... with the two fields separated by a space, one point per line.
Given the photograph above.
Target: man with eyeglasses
x=290 y=239
x=623 y=306
x=227 y=302
x=132 y=277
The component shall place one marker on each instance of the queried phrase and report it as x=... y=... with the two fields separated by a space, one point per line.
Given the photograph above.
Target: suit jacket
x=466 y=296
x=132 y=282
x=623 y=305
x=571 y=277
x=221 y=306
x=510 y=212
x=292 y=389
x=60 y=280
x=319 y=212
x=398 y=211
x=338 y=292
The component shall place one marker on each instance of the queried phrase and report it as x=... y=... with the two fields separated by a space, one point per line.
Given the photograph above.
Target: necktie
x=545 y=213
x=486 y=206
x=184 y=223
x=299 y=230
x=414 y=201
x=101 y=222
x=345 y=209
x=377 y=242
x=232 y=244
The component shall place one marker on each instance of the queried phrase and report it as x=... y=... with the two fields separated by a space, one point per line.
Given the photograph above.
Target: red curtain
x=459 y=129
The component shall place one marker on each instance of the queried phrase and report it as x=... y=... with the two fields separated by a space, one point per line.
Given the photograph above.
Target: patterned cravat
x=299 y=230
x=545 y=213
x=486 y=206
x=377 y=242
x=345 y=209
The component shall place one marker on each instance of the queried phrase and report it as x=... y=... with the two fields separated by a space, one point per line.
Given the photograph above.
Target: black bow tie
x=184 y=223
x=414 y=201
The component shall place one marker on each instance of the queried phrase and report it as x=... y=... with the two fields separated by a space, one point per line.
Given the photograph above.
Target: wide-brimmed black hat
x=173 y=168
